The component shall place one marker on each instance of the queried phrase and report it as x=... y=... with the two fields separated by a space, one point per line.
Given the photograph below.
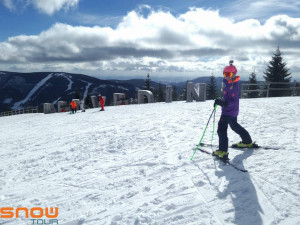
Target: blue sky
x=169 y=39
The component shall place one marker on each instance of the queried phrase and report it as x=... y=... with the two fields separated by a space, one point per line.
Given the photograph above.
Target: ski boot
x=221 y=155
x=243 y=145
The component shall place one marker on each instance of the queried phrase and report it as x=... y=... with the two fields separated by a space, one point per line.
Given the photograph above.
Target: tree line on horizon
x=276 y=71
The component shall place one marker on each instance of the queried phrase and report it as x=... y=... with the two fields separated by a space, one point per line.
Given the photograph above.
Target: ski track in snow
x=86 y=89
x=36 y=87
x=131 y=165
x=68 y=78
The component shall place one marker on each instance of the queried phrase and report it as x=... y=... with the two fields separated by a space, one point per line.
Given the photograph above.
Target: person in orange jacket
x=101 y=99
x=73 y=106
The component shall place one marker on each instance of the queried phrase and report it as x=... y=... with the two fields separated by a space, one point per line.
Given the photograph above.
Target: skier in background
x=230 y=110
x=73 y=106
x=101 y=99
x=122 y=101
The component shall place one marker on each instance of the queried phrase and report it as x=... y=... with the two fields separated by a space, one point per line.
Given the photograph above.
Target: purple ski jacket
x=231 y=96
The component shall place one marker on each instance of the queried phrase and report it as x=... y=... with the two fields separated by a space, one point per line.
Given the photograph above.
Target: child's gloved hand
x=220 y=103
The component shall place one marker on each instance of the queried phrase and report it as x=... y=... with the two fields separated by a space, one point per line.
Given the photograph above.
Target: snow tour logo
x=36 y=214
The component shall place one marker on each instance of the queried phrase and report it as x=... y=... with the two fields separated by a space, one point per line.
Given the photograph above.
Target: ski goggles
x=228 y=74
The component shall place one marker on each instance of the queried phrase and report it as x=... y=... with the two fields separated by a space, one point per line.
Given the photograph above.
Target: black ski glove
x=220 y=103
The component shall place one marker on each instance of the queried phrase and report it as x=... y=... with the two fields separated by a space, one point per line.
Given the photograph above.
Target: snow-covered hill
x=131 y=165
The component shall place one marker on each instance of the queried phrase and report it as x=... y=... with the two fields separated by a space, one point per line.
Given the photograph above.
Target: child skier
x=230 y=110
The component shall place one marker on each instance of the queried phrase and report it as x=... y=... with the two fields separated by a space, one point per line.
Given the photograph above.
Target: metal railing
x=20 y=111
x=266 y=88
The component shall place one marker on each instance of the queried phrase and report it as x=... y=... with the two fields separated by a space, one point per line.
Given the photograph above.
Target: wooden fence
x=265 y=87
x=20 y=111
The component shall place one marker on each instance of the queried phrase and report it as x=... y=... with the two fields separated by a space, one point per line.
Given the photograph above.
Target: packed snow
x=131 y=165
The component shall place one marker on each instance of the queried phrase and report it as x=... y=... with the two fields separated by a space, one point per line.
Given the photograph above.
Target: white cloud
x=197 y=41
x=45 y=6
x=9 y=4
x=92 y=19
x=243 y=9
x=51 y=6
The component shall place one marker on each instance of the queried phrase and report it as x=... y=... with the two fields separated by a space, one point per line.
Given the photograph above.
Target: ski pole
x=212 y=137
x=204 y=131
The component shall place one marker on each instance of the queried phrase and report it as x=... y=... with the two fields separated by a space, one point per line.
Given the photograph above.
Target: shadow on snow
x=242 y=192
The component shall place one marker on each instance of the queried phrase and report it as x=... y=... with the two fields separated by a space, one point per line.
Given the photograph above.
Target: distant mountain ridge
x=20 y=90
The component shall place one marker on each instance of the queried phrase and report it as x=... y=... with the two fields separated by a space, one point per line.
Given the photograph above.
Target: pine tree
x=277 y=72
x=77 y=95
x=252 y=80
x=174 y=94
x=297 y=92
x=184 y=92
x=6 y=108
x=212 y=90
x=87 y=101
x=160 y=94
x=148 y=83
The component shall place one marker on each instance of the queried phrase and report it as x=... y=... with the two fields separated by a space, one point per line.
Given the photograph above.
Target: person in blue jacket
x=230 y=110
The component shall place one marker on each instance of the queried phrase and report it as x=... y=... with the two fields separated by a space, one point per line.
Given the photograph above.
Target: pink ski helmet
x=230 y=69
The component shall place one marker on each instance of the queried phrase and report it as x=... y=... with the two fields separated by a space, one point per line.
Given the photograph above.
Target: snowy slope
x=131 y=165
x=32 y=92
